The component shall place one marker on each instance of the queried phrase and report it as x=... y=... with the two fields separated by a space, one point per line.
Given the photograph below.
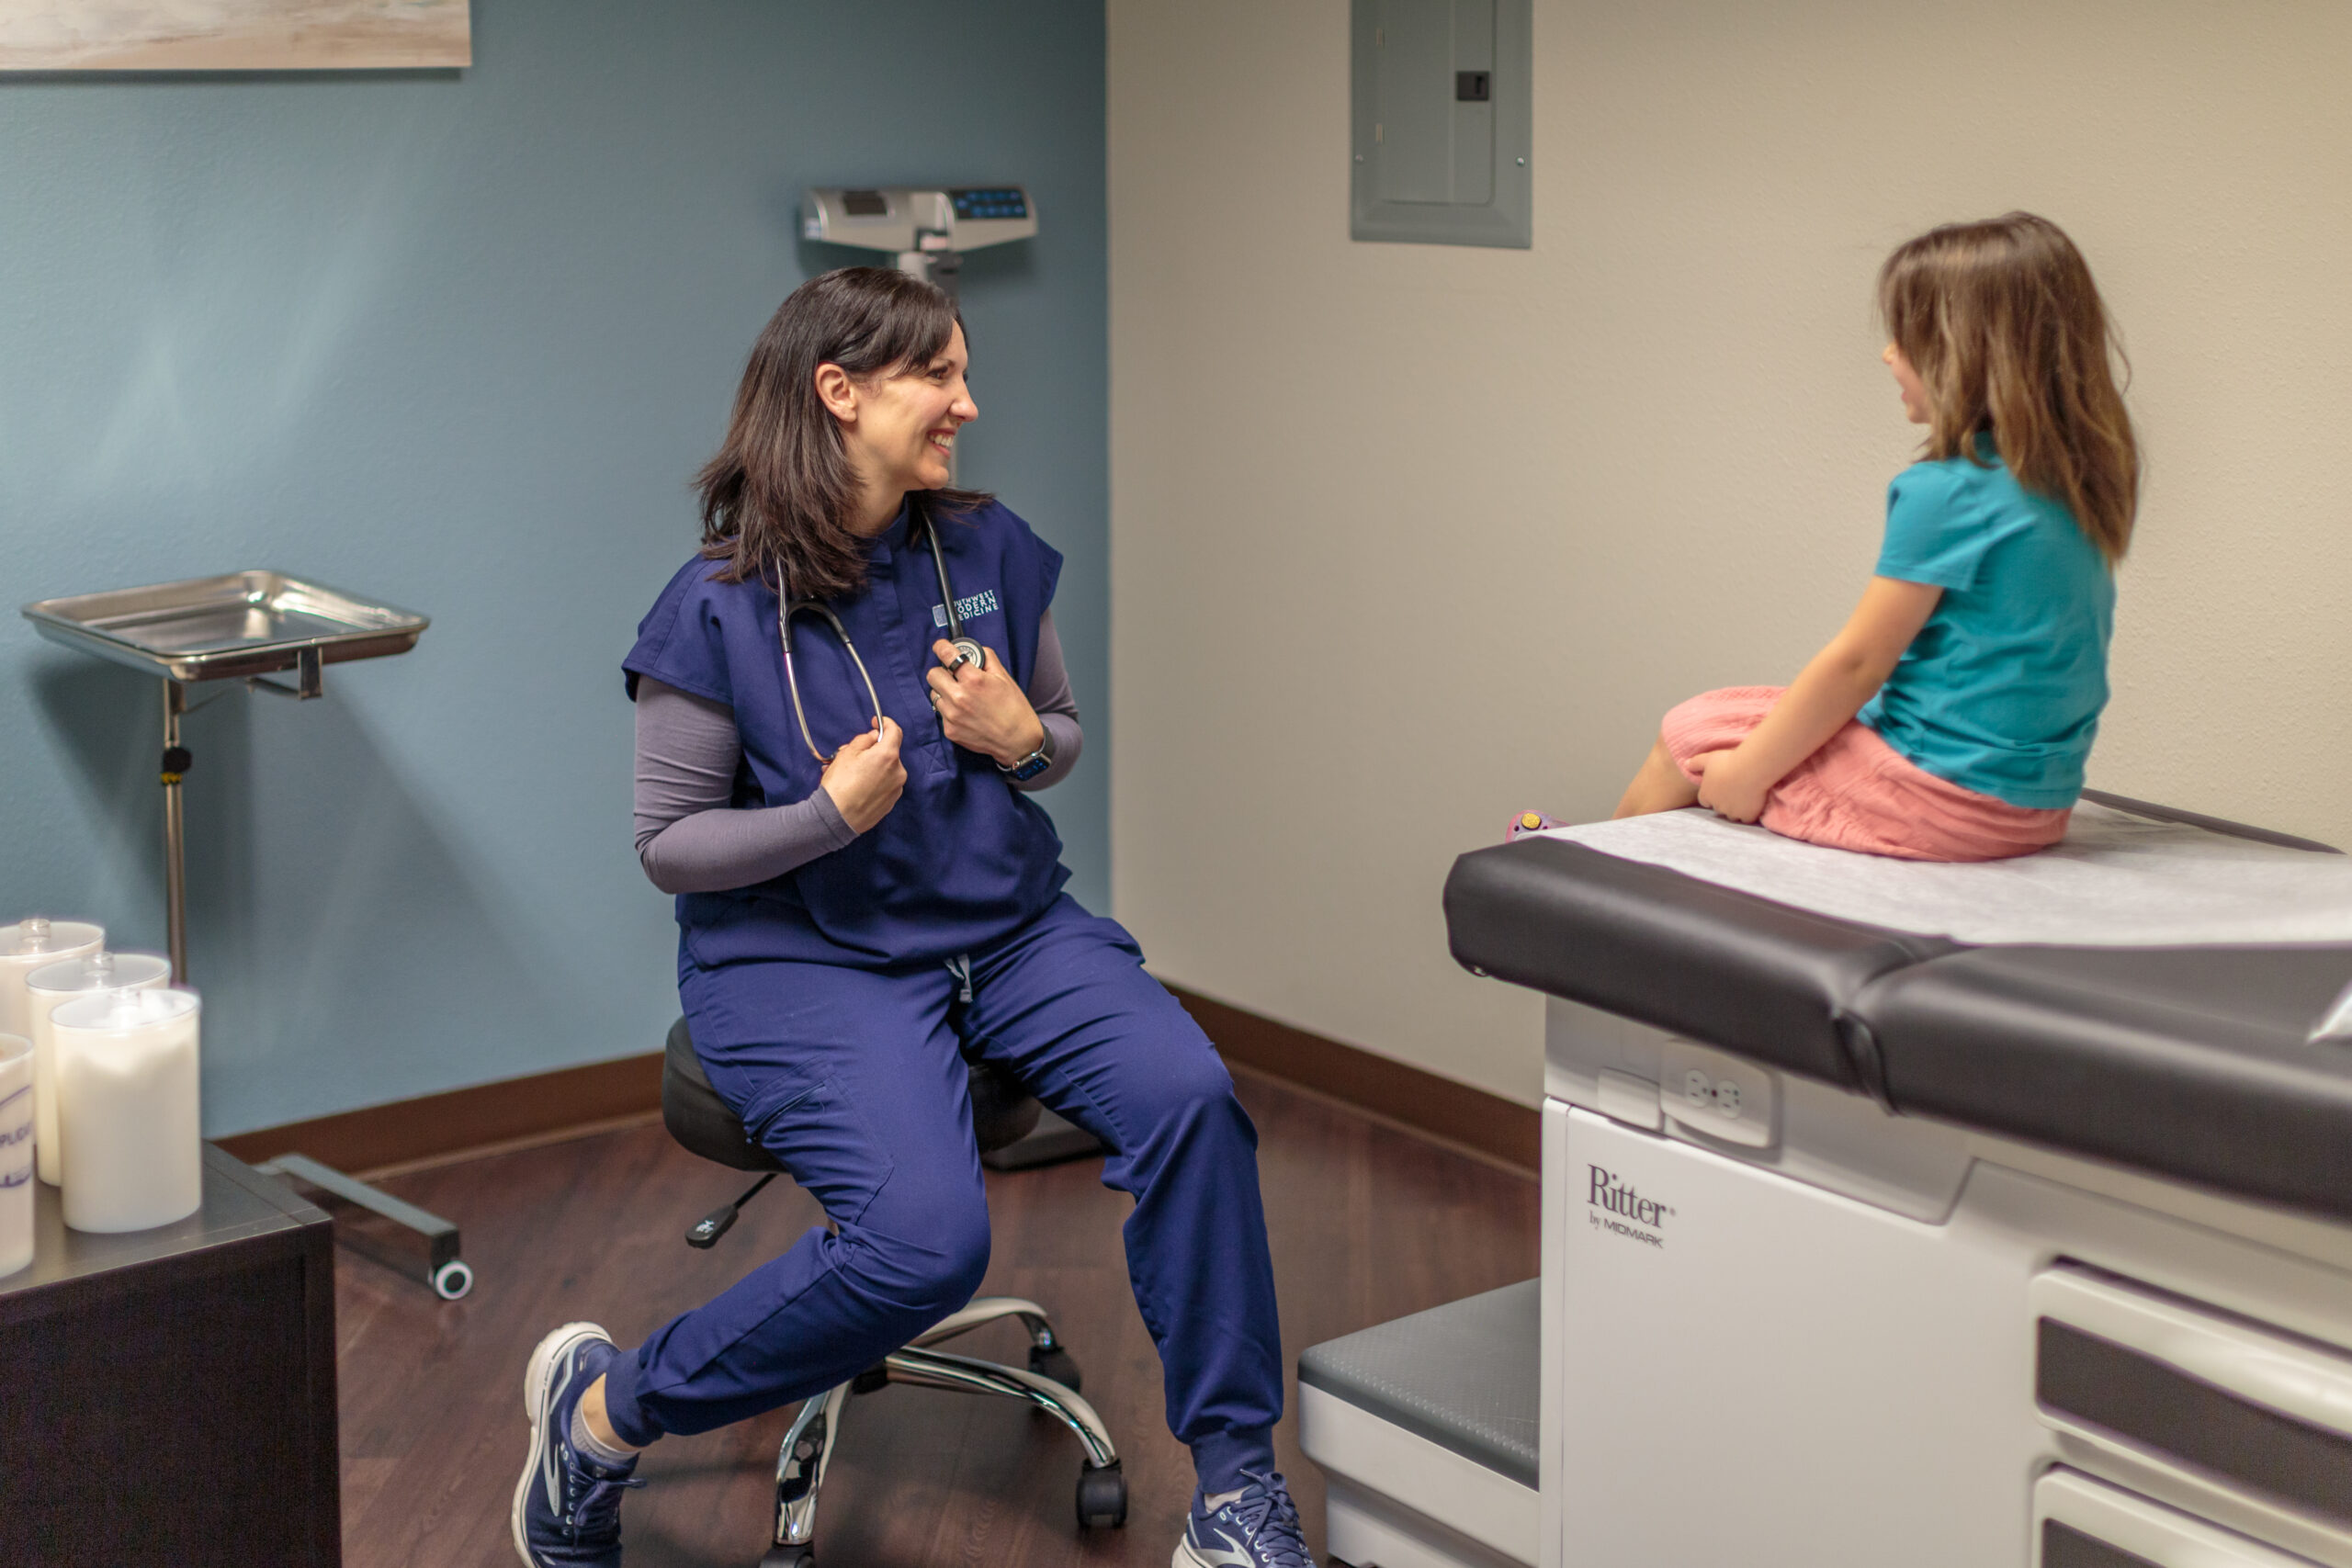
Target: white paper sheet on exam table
x=2116 y=880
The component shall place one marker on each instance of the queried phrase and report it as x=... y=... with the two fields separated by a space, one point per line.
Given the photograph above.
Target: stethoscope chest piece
x=967 y=652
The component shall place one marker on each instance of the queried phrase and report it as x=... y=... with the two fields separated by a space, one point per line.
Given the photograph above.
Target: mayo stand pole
x=175 y=763
x=432 y=1254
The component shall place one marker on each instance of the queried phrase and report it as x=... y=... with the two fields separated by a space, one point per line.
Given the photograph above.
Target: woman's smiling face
x=901 y=435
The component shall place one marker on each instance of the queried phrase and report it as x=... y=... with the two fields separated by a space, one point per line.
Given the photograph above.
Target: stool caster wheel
x=452 y=1279
x=1101 y=1498
x=803 y=1556
x=1058 y=1364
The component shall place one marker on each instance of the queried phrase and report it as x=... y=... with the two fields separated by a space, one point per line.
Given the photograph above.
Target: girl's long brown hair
x=776 y=498
x=2007 y=330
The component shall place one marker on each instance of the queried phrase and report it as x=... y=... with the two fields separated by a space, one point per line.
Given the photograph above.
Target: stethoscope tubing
x=968 y=651
x=792 y=679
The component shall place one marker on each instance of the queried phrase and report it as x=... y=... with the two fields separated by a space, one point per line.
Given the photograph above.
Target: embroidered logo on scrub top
x=970 y=608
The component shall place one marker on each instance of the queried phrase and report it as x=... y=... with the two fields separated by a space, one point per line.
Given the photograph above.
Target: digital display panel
x=1003 y=202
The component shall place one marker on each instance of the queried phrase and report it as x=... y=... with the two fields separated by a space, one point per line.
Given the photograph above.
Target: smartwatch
x=1036 y=763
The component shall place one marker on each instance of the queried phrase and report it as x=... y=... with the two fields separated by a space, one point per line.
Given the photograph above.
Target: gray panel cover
x=1462 y=1375
x=2194 y=1063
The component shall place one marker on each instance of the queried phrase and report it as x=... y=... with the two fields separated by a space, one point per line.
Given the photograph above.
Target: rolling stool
x=1001 y=1113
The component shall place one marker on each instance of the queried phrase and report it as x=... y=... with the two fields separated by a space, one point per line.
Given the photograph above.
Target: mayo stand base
x=414 y=1241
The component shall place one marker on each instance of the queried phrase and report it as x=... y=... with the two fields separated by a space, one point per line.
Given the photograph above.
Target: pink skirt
x=1858 y=793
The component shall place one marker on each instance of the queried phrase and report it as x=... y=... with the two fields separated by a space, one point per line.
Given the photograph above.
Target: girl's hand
x=985 y=709
x=1728 y=788
x=866 y=777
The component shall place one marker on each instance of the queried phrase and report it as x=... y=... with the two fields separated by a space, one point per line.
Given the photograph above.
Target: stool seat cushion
x=1002 y=1111
x=695 y=1114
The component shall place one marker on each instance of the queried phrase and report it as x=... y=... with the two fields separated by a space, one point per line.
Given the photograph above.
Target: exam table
x=1961 y=1238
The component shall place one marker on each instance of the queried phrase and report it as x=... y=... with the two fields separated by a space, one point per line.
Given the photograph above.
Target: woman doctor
x=862 y=897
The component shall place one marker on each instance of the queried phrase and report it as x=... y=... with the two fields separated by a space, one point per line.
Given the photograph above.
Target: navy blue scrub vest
x=963 y=859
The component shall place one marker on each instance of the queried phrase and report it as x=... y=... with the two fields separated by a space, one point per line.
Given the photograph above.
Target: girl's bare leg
x=1661 y=785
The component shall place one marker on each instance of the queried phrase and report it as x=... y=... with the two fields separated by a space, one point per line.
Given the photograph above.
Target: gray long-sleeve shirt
x=690 y=840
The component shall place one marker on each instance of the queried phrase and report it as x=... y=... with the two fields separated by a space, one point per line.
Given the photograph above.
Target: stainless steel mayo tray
x=217 y=628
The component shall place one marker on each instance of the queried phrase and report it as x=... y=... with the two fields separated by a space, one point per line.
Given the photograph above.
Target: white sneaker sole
x=1187 y=1558
x=535 y=1393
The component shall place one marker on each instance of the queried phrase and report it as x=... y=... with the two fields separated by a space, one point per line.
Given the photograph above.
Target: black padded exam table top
x=2190 y=1062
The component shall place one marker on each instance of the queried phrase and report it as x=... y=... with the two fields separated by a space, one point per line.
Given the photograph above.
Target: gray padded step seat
x=1425 y=1429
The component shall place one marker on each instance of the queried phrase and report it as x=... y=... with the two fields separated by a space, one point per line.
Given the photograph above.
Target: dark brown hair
x=2005 y=329
x=776 y=498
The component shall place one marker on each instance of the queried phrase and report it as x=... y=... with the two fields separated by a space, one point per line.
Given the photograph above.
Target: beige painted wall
x=1406 y=537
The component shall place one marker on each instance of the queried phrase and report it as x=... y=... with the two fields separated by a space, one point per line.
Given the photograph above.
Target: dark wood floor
x=1368 y=1224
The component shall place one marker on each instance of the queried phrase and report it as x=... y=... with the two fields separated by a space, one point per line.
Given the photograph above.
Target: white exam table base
x=1916 y=1227
x=1836 y=1368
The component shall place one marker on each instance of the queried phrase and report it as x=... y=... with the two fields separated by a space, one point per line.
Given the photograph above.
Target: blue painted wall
x=459 y=340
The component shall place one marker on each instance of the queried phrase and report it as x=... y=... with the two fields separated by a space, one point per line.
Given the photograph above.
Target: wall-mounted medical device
x=927 y=230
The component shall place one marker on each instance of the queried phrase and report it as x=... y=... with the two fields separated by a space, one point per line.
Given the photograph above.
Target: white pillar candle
x=15 y=1153
x=46 y=990
x=127 y=1109
x=34 y=943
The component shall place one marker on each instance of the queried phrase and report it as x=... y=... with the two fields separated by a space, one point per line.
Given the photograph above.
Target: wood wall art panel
x=234 y=35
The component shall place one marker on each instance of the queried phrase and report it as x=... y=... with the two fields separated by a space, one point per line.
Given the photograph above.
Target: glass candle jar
x=46 y=990
x=15 y=1153
x=128 y=1109
x=33 y=943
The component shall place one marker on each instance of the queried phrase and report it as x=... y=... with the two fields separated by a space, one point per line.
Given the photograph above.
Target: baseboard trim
x=509 y=1113
x=570 y=1101
x=1407 y=1096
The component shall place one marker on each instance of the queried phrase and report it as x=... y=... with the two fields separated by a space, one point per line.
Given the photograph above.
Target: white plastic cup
x=49 y=988
x=34 y=943
x=127 y=1109
x=15 y=1153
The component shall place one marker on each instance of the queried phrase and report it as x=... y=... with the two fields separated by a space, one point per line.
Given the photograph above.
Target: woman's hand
x=866 y=777
x=984 y=709
x=1730 y=786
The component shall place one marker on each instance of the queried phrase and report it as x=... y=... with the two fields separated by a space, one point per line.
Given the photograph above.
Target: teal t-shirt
x=2001 y=691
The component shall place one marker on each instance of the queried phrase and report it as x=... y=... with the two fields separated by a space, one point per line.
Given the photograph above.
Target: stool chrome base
x=807 y=1444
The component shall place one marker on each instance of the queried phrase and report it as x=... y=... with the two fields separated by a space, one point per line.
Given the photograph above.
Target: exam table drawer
x=2081 y=1523
x=2243 y=1409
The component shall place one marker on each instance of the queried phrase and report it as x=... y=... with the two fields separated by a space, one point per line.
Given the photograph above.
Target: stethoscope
x=966 y=650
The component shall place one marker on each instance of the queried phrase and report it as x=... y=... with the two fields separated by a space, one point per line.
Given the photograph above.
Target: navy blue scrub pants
x=855 y=1080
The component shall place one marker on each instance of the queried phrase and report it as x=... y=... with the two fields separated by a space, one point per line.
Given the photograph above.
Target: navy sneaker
x=567 y=1507
x=1257 y=1530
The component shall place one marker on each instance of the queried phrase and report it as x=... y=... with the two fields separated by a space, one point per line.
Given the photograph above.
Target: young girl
x=1950 y=718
